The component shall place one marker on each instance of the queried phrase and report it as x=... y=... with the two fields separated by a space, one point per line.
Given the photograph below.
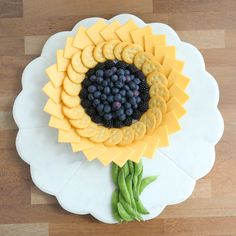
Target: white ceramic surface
x=84 y=187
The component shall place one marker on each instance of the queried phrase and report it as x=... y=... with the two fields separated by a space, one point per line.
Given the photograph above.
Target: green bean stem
x=123 y=186
x=115 y=173
x=114 y=201
x=123 y=213
x=145 y=182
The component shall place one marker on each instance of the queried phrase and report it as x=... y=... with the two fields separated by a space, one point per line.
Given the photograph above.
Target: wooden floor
x=24 y=27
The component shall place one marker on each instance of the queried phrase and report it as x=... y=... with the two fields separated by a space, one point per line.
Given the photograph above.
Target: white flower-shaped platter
x=83 y=187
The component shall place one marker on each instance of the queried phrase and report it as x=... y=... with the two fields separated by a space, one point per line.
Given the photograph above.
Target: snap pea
x=138 y=167
x=129 y=184
x=126 y=169
x=135 y=182
x=123 y=213
x=145 y=182
x=114 y=201
x=131 y=167
x=136 y=190
x=134 y=214
x=115 y=173
x=140 y=208
x=123 y=186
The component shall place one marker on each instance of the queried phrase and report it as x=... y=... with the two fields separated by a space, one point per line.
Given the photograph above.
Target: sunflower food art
x=116 y=93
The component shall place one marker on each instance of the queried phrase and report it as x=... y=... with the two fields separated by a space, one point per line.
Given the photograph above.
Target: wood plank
x=11 y=8
x=230 y=38
x=24 y=229
x=72 y=7
x=6 y=121
x=11 y=46
x=204 y=38
x=39 y=197
x=7 y=24
x=202 y=189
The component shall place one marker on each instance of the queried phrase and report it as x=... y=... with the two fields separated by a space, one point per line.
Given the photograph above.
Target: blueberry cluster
x=114 y=94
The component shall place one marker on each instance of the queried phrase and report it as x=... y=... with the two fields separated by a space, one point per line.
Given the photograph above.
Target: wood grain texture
x=24 y=27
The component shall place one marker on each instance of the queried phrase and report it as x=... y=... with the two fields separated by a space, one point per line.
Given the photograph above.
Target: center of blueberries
x=114 y=94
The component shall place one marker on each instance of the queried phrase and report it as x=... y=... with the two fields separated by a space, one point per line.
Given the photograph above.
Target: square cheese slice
x=174 y=105
x=108 y=33
x=94 y=152
x=54 y=109
x=165 y=51
x=178 y=93
x=81 y=39
x=170 y=64
x=70 y=50
x=83 y=144
x=57 y=123
x=124 y=31
x=151 y=41
x=52 y=92
x=177 y=78
x=68 y=136
x=110 y=154
x=171 y=121
x=62 y=62
x=137 y=35
x=126 y=152
x=55 y=76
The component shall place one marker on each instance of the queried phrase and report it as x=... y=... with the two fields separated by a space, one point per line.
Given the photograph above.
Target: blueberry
x=122 y=117
x=138 y=99
x=92 y=78
x=99 y=80
x=120 y=72
x=132 y=85
x=105 y=102
x=136 y=93
x=122 y=92
x=126 y=87
x=116 y=105
x=99 y=73
x=101 y=113
x=111 y=84
x=105 y=83
x=86 y=83
x=96 y=102
x=132 y=100
x=132 y=77
x=118 y=97
x=110 y=98
x=120 y=112
x=122 y=78
x=97 y=94
x=129 y=112
x=136 y=81
x=127 y=105
x=107 y=90
x=100 y=108
x=107 y=73
x=135 y=106
x=113 y=69
x=108 y=116
x=90 y=72
x=107 y=108
x=114 y=78
x=92 y=88
x=91 y=111
x=123 y=100
x=100 y=87
x=119 y=84
x=127 y=78
x=103 y=97
x=115 y=90
x=130 y=93
x=85 y=103
x=127 y=72
x=90 y=97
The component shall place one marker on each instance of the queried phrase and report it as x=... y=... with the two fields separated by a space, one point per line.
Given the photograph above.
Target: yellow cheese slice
x=177 y=78
x=170 y=64
x=138 y=147
x=111 y=153
x=138 y=35
x=83 y=144
x=176 y=106
x=55 y=76
x=171 y=121
x=162 y=133
x=94 y=152
x=81 y=39
x=62 y=62
x=94 y=31
x=52 y=92
x=124 y=31
x=178 y=93
x=69 y=50
x=150 y=41
x=57 y=123
x=126 y=152
x=54 y=109
x=162 y=51
x=108 y=33
x=152 y=144
x=68 y=136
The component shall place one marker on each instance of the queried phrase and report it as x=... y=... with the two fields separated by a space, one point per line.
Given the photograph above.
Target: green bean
x=129 y=208
x=114 y=201
x=145 y=182
x=115 y=173
x=123 y=186
x=136 y=190
x=140 y=208
x=138 y=168
x=135 y=182
x=123 y=213
x=126 y=169
x=129 y=184
x=131 y=167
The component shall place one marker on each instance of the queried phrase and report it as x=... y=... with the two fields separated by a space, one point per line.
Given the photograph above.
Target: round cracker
x=129 y=52
x=77 y=63
x=151 y=66
x=141 y=57
x=73 y=113
x=88 y=132
x=128 y=136
x=149 y=119
x=108 y=49
x=160 y=90
x=83 y=122
x=118 y=49
x=74 y=76
x=158 y=114
x=139 y=130
x=154 y=77
x=158 y=102
x=87 y=57
x=70 y=87
x=115 y=137
x=102 y=135
x=98 y=53
x=70 y=101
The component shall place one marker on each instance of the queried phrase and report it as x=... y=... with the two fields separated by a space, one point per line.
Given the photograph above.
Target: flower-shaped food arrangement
x=117 y=91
